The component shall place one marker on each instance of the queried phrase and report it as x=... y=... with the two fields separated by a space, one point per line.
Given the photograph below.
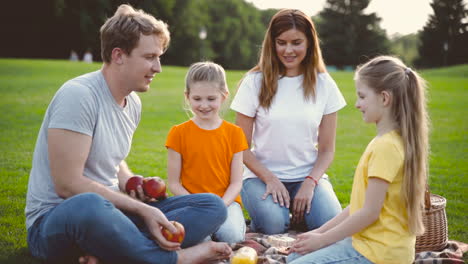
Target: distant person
x=74 y=56
x=88 y=57
x=385 y=212
x=287 y=106
x=75 y=207
x=205 y=153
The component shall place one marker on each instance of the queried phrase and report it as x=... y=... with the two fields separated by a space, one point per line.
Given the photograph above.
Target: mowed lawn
x=27 y=86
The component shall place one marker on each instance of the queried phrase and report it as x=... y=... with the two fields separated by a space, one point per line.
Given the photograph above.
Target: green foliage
x=445 y=35
x=405 y=47
x=27 y=86
x=235 y=32
x=235 y=29
x=348 y=35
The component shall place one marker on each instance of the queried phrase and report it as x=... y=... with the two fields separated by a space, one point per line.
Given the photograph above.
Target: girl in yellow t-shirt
x=385 y=212
x=205 y=152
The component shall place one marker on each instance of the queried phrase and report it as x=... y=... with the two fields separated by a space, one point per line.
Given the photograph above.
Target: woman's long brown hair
x=270 y=65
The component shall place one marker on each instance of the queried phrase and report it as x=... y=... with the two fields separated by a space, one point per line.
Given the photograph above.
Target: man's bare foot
x=88 y=259
x=207 y=252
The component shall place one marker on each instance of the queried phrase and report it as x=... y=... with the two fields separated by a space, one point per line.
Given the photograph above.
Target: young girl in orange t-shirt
x=205 y=152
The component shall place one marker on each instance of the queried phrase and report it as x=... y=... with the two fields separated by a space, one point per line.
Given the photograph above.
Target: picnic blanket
x=268 y=254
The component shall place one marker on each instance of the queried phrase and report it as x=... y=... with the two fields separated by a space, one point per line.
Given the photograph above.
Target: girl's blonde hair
x=408 y=106
x=207 y=71
x=271 y=66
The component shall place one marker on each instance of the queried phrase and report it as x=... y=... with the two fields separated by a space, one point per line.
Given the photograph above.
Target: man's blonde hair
x=123 y=30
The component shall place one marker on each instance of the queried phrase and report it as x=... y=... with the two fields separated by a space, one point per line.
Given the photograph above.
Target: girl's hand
x=302 y=201
x=307 y=242
x=278 y=192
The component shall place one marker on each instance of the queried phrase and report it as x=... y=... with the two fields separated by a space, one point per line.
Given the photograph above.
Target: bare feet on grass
x=207 y=252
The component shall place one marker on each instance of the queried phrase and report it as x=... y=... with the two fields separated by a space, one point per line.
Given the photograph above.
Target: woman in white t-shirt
x=287 y=107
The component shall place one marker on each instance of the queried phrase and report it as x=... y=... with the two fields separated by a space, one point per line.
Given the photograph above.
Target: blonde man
x=75 y=205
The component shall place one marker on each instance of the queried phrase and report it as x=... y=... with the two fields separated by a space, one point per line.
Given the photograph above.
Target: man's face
x=143 y=62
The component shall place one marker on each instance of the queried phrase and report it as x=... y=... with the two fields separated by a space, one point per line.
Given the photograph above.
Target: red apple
x=154 y=187
x=133 y=183
x=178 y=236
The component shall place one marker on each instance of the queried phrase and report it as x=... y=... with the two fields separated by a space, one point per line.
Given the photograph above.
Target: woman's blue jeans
x=340 y=252
x=269 y=217
x=88 y=223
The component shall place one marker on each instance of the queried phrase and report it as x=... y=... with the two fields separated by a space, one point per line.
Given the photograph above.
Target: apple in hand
x=178 y=236
x=133 y=183
x=155 y=188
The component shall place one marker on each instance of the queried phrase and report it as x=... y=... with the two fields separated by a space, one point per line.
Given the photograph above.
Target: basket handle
x=427 y=197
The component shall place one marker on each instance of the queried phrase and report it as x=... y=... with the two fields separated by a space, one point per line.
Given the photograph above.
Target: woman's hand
x=302 y=201
x=307 y=242
x=278 y=192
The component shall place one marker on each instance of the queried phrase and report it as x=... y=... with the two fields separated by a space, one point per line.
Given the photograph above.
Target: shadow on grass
x=20 y=256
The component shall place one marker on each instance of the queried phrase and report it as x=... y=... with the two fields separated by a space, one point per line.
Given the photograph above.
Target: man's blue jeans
x=89 y=223
x=269 y=217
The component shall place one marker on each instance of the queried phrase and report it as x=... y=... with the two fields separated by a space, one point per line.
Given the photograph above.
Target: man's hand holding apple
x=156 y=221
x=147 y=189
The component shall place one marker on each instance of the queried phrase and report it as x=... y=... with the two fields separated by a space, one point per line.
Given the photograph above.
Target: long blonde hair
x=408 y=89
x=270 y=65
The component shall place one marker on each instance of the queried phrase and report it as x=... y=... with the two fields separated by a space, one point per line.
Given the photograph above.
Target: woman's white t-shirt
x=285 y=137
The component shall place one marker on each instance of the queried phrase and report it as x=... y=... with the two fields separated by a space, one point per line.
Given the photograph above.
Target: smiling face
x=369 y=103
x=291 y=49
x=205 y=99
x=143 y=62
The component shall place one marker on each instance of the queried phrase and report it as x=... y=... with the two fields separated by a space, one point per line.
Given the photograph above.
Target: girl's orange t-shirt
x=206 y=155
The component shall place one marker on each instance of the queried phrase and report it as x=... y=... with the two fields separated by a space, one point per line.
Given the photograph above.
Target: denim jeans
x=340 y=252
x=89 y=223
x=233 y=229
x=269 y=217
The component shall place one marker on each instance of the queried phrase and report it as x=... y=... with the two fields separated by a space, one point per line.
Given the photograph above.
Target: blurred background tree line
x=230 y=32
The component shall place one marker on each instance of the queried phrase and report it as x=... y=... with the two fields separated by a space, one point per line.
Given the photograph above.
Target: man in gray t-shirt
x=75 y=206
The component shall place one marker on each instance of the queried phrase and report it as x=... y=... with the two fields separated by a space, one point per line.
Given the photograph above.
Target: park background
x=37 y=40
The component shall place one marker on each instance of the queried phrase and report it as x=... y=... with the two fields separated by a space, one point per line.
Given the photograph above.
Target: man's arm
x=124 y=174
x=68 y=152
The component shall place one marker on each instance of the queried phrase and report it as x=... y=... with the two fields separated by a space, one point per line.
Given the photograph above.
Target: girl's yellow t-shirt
x=206 y=155
x=387 y=240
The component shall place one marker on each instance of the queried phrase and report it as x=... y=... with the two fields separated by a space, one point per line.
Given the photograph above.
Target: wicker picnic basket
x=435 y=222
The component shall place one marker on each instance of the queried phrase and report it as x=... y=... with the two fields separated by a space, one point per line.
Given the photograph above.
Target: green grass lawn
x=27 y=86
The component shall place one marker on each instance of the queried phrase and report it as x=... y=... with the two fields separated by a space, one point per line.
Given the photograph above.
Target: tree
x=235 y=33
x=405 y=47
x=52 y=28
x=349 y=35
x=445 y=35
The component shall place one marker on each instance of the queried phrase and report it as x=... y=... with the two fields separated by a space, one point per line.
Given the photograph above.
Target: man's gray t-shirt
x=85 y=105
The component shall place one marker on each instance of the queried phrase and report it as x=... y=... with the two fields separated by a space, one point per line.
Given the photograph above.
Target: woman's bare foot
x=207 y=252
